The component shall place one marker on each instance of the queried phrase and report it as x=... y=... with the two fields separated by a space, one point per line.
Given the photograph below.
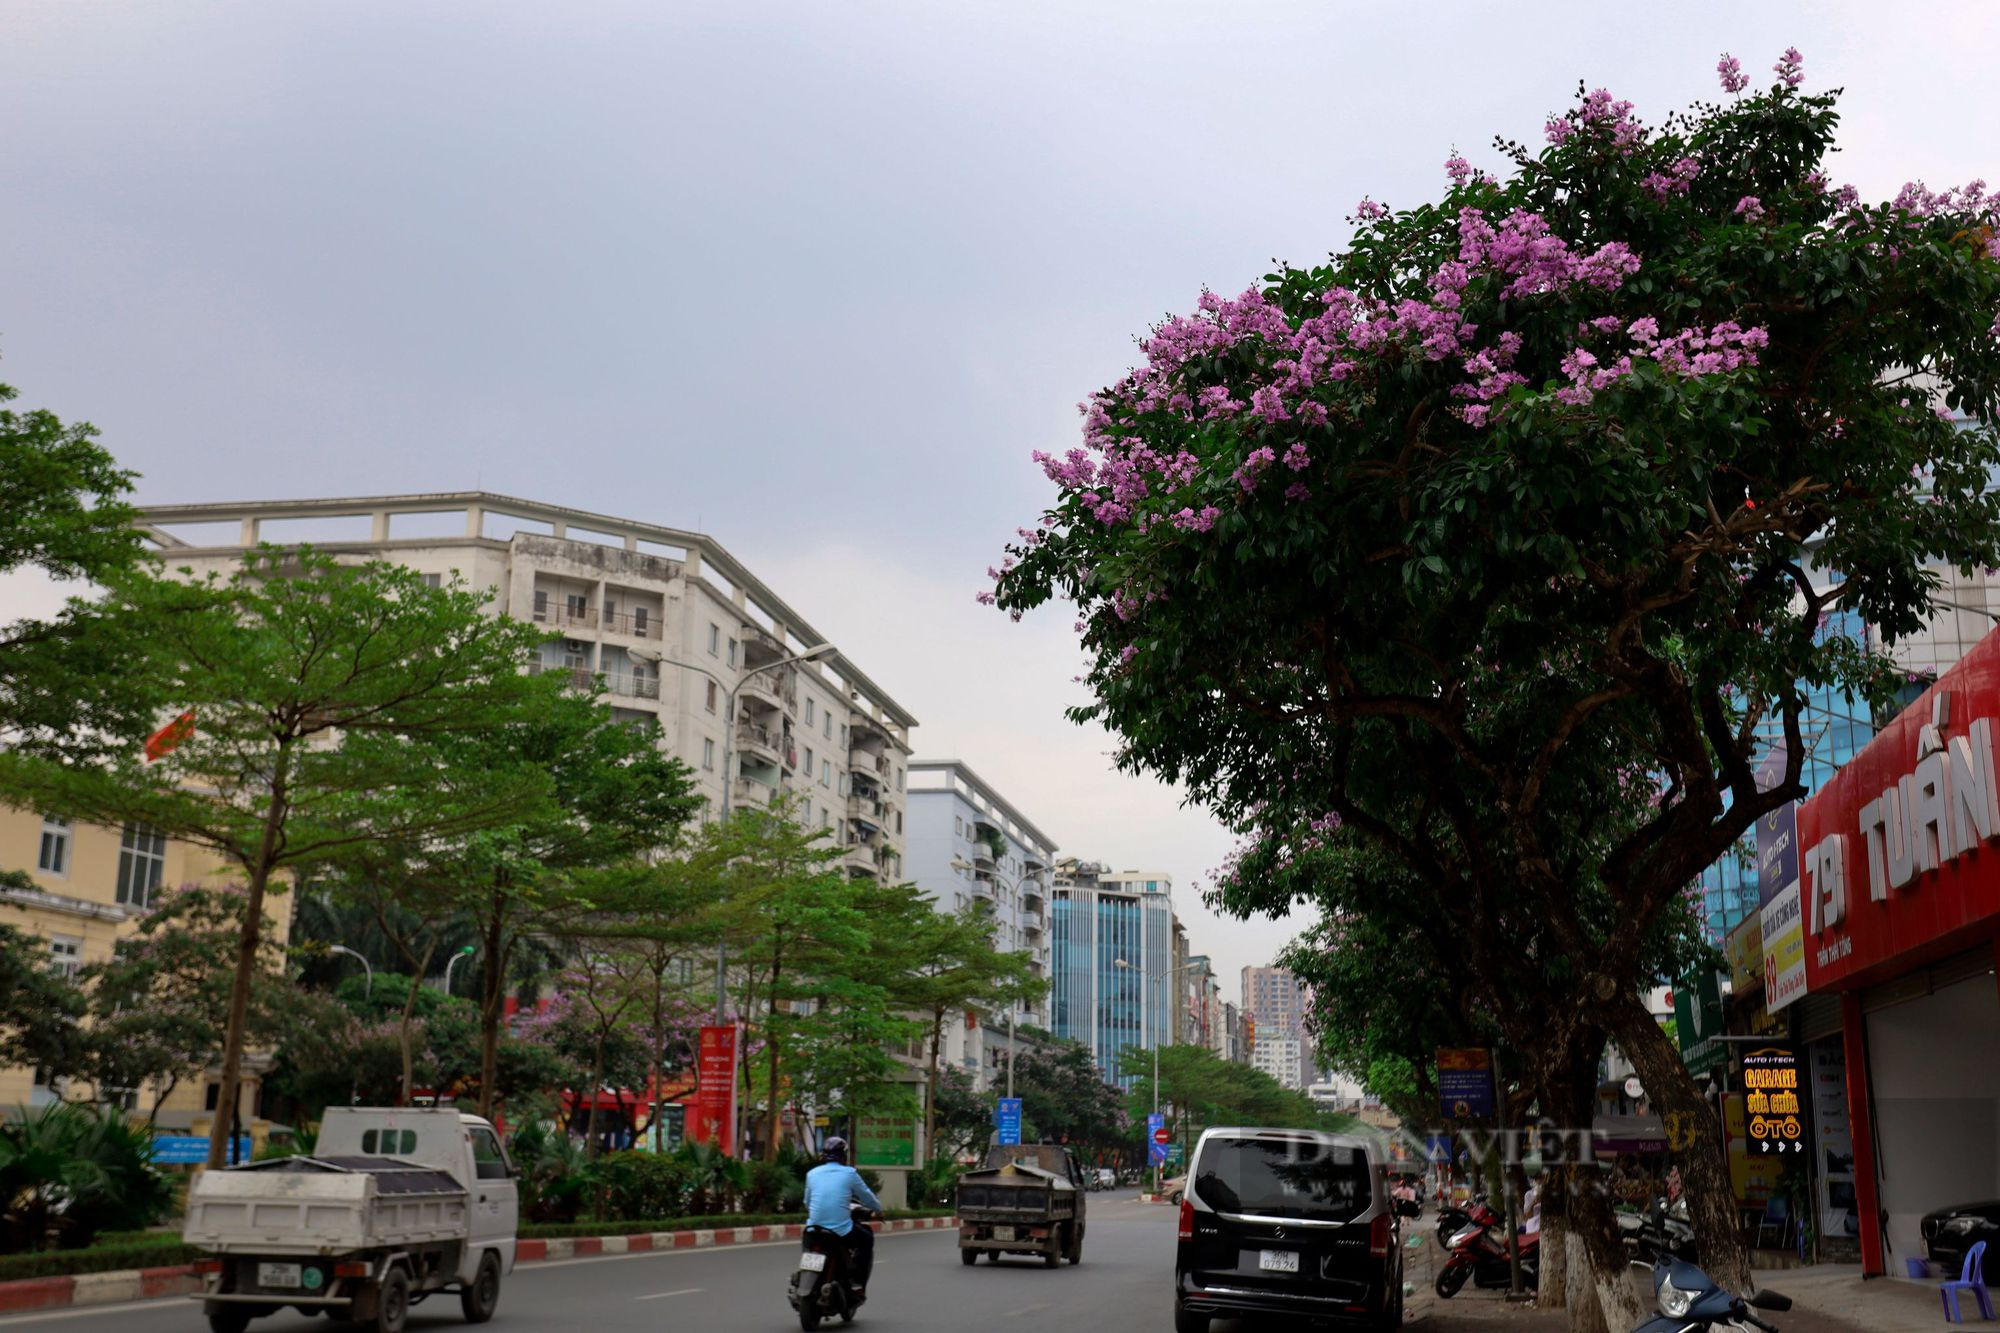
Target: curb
x=140 y=1284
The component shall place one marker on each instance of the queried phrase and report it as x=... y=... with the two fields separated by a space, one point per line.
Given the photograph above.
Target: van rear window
x=1284 y=1177
x=388 y=1142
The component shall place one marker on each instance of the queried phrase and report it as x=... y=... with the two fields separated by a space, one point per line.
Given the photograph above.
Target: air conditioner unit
x=575 y=646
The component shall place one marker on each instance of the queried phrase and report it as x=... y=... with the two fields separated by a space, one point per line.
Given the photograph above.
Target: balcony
x=579 y=677
x=632 y=684
x=640 y=624
x=566 y=615
x=760 y=646
x=869 y=765
x=756 y=736
x=867 y=809
x=746 y=792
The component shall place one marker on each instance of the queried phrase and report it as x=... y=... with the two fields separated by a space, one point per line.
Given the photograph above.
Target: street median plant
x=69 y=1172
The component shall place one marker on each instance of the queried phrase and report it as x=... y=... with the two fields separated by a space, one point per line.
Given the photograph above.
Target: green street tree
x=1064 y=1099
x=63 y=685
x=319 y=693
x=1539 y=494
x=41 y=1012
x=1199 y=1088
x=159 y=1006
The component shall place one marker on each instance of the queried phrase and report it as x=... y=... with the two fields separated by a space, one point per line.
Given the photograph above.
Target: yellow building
x=92 y=885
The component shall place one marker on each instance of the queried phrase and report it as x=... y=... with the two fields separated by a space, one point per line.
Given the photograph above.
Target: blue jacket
x=830 y=1187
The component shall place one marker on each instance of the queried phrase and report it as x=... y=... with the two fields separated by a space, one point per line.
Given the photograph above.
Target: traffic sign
x=1160 y=1135
x=1007 y=1119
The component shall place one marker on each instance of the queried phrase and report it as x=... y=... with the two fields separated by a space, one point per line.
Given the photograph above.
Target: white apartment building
x=968 y=844
x=1280 y=1056
x=672 y=622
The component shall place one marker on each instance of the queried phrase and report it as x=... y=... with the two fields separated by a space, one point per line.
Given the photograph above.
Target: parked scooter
x=1452 y=1220
x=821 y=1286
x=1664 y=1231
x=1690 y=1301
x=1479 y=1252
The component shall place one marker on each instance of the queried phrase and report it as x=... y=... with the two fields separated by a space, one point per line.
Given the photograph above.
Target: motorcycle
x=1451 y=1221
x=1479 y=1252
x=1662 y=1232
x=1689 y=1301
x=821 y=1287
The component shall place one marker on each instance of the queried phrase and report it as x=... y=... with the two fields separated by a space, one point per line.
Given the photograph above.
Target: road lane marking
x=662 y=1295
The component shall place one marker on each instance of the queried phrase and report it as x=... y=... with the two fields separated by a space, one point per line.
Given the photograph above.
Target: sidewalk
x=1880 y=1305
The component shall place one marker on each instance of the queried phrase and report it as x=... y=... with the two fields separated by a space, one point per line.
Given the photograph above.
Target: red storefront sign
x=714 y=1118
x=1900 y=862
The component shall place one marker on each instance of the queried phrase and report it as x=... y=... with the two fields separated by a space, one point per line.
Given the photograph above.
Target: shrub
x=69 y=1171
x=642 y=1185
x=933 y=1185
x=556 y=1174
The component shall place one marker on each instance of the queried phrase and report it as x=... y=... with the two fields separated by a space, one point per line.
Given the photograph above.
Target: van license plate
x=812 y=1263
x=277 y=1275
x=1003 y=1233
x=1278 y=1261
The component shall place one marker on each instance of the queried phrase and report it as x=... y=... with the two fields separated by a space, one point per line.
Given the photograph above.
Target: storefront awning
x=1617 y=1134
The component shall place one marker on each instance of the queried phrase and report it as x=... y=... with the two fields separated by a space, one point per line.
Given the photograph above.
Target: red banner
x=168 y=738
x=714 y=1118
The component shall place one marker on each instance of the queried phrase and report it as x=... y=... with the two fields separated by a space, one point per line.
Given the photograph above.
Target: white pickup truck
x=392 y=1206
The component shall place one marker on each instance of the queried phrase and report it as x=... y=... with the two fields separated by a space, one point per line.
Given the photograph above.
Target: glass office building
x=1113 y=963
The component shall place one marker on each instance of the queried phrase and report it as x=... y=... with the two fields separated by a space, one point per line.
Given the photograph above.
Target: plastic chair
x=1777 y=1216
x=1973 y=1279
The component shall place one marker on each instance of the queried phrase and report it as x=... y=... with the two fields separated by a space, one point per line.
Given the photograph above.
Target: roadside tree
x=1537 y=495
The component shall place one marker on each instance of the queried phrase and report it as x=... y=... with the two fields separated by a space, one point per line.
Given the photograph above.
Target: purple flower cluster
x=1730 y=70
x=1660 y=185
x=1523 y=248
x=1789 y=67
x=1691 y=353
x=1750 y=208
x=1458 y=169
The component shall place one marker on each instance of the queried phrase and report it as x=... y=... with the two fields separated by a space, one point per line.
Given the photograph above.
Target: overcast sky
x=813 y=278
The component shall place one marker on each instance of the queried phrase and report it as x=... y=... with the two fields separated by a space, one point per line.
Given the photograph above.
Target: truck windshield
x=1284 y=1177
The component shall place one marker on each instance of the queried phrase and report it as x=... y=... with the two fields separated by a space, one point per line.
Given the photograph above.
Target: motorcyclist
x=830 y=1188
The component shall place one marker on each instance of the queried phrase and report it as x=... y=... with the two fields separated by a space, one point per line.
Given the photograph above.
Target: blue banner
x=1155 y=1150
x=1465 y=1082
x=192 y=1150
x=1008 y=1120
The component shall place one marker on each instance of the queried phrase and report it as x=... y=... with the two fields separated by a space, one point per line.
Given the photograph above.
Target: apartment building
x=1281 y=1057
x=752 y=698
x=91 y=885
x=1113 y=961
x=1273 y=998
x=968 y=844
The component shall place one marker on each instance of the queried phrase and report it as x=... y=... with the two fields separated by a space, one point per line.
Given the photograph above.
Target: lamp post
x=1154 y=977
x=466 y=952
x=369 y=990
x=811 y=654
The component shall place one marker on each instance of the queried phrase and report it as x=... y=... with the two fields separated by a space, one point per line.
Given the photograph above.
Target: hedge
x=555 y=1230
x=163 y=1253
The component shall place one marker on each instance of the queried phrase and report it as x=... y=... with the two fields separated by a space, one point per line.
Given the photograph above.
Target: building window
x=142 y=860
x=541 y=605
x=732 y=652
x=899 y=779
x=809 y=763
x=826 y=727
x=65 y=955
x=809 y=710
x=708 y=754
x=641 y=617
x=958 y=825
x=577 y=607
x=712 y=692
x=714 y=640
x=54 y=858
x=899 y=821
x=826 y=772
x=843 y=736
x=825 y=817
x=433 y=580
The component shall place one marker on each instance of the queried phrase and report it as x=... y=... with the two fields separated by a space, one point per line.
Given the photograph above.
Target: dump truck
x=1023 y=1199
x=393 y=1205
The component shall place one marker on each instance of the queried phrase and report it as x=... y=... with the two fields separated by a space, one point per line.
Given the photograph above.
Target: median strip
x=123 y=1286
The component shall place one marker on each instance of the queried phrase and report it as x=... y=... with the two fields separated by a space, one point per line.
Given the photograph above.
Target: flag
x=168 y=738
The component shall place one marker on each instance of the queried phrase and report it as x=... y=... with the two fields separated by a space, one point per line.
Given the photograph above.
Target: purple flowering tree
x=1493 y=544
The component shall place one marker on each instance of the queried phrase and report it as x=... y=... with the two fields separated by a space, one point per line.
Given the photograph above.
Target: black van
x=1288 y=1222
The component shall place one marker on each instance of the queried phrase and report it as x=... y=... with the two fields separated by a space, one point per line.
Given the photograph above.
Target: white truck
x=392 y=1206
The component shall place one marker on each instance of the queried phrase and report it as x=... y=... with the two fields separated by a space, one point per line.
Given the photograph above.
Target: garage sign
x=1773 y=1113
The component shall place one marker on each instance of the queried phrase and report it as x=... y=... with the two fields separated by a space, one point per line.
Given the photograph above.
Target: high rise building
x=1273 y=998
x=674 y=625
x=969 y=845
x=1113 y=961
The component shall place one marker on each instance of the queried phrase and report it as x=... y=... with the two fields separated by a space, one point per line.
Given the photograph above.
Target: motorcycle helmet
x=835 y=1149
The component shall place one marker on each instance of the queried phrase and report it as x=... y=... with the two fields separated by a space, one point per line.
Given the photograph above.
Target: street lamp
x=466 y=952
x=811 y=654
x=369 y=991
x=1154 y=977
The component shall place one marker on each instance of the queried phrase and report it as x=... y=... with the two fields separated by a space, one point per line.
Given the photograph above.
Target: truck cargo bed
x=324 y=1205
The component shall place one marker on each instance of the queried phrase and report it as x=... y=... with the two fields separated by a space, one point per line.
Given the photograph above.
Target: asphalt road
x=1124 y=1285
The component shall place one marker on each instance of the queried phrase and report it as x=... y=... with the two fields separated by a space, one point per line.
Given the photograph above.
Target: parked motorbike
x=1479 y=1252
x=1690 y=1301
x=821 y=1285
x=1452 y=1220
x=1662 y=1232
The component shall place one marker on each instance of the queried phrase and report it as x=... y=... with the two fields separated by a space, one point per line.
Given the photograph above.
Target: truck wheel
x=482 y=1298
x=1053 y=1255
x=968 y=1257
x=392 y=1302
x=231 y=1320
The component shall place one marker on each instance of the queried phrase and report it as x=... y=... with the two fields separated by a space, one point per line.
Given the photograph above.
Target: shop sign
x=1465 y=1082
x=1898 y=851
x=1777 y=833
x=1744 y=948
x=1698 y=1021
x=1783 y=932
x=1752 y=1179
x=1774 y=1115
x=885 y=1141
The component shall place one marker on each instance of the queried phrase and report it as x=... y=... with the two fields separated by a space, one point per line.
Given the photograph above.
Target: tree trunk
x=771 y=1067
x=1586 y=1310
x=249 y=941
x=409 y=1015
x=1695 y=1134
x=655 y=1093
x=1619 y=1305
x=492 y=994
x=930 y=1087
x=596 y=1078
